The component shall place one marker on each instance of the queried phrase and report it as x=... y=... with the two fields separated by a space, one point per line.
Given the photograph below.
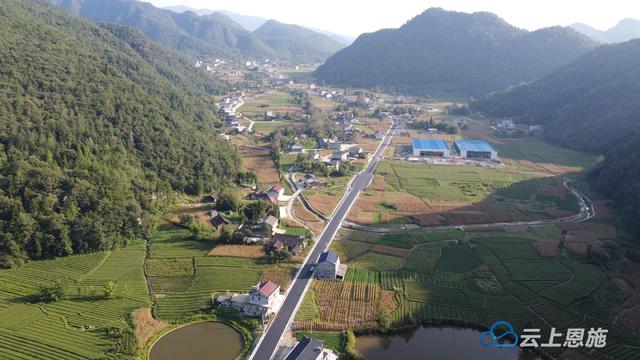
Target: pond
x=436 y=342
x=206 y=340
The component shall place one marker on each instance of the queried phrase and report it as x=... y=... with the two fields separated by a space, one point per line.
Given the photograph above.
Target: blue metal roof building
x=429 y=147
x=475 y=149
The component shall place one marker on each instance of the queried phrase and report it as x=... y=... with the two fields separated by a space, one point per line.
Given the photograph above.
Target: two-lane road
x=269 y=341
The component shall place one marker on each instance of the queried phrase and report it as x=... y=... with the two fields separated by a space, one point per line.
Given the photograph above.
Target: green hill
x=208 y=35
x=296 y=42
x=449 y=52
x=98 y=127
x=590 y=105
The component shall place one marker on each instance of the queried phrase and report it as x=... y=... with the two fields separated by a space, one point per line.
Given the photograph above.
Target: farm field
x=260 y=162
x=74 y=327
x=475 y=278
x=185 y=275
x=431 y=195
x=276 y=101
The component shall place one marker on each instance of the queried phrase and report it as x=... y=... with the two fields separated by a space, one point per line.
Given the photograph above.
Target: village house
x=263 y=300
x=292 y=243
x=355 y=151
x=270 y=224
x=329 y=267
x=295 y=148
x=218 y=219
x=310 y=181
x=277 y=192
x=339 y=156
x=310 y=349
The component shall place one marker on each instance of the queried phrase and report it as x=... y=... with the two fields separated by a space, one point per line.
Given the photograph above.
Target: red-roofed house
x=263 y=300
x=276 y=191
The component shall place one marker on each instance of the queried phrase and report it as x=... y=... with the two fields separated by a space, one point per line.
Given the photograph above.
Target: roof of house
x=267 y=288
x=270 y=220
x=290 y=240
x=306 y=349
x=309 y=176
x=328 y=256
x=276 y=188
x=429 y=144
x=474 y=145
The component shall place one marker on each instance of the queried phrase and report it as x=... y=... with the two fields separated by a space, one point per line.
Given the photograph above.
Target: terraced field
x=477 y=279
x=72 y=328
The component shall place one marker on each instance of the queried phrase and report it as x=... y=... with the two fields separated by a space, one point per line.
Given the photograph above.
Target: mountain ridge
x=443 y=51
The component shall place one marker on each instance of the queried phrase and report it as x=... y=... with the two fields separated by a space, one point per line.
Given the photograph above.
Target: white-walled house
x=264 y=299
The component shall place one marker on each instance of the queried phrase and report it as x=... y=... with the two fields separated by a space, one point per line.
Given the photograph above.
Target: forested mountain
x=451 y=52
x=207 y=35
x=592 y=104
x=98 y=127
x=624 y=30
x=297 y=42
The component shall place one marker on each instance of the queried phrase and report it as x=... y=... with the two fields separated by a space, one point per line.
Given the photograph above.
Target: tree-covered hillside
x=209 y=35
x=592 y=104
x=296 y=42
x=98 y=126
x=453 y=53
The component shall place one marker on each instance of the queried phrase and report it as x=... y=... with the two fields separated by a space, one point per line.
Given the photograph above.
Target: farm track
x=587 y=211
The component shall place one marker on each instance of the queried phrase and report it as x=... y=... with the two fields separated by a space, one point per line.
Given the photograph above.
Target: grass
x=376 y=262
x=540 y=151
x=72 y=328
x=458 y=259
x=347 y=249
x=266 y=127
x=308 y=308
x=423 y=259
x=175 y=242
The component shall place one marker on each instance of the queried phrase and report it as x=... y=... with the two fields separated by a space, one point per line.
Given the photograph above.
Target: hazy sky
x=353 y=17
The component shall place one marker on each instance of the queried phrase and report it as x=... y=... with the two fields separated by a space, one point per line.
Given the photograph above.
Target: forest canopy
x=99 y=126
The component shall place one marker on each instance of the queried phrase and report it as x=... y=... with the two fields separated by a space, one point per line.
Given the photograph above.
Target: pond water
x=207 y=340
x=435 y=342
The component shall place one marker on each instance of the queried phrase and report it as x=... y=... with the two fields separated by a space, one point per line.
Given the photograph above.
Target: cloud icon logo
x=496 y=338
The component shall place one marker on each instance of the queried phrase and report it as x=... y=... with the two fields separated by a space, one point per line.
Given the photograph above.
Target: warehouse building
x=475 y=149
x=430 y=147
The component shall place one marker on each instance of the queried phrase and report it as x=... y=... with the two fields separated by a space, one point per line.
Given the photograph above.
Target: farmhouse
x=276 y=192
x=292 y=243
x=218 y=219
x=475 y=149
x=429 y=147
x=310 y=349
x=263 y=300
x=329 y=267
x=270 y=223
x=339 y=156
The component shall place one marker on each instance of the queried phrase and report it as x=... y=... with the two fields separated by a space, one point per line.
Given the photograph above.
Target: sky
x=353 y=17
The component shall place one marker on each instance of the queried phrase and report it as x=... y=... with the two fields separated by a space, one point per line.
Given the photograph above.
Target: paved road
x=269 y=341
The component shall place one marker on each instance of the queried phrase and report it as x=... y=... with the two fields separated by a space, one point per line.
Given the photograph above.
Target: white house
x=329 y=267
x=264 y=299
x=277 y=192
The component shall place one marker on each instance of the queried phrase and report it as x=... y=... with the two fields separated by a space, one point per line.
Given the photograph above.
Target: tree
x=228 y=201
x=226 y=234
x=277 y=255
x=350 y=350
x=52 y=293
x=109 y=289
x=257 y=210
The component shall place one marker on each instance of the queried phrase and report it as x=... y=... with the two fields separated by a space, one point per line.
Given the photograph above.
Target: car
x=312 y=269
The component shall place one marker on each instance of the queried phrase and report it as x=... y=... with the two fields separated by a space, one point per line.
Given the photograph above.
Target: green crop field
x=174 y=242
x=499 y=276
x=266 y=127
x=376 y=262
x=72 y=328
x=536 y=150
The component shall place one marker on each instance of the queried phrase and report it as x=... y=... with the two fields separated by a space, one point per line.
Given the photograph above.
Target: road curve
x=268 y=342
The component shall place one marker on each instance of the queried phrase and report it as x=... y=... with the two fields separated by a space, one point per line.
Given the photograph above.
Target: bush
x=52 y=293
x=351 y=353
x=228 y=201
